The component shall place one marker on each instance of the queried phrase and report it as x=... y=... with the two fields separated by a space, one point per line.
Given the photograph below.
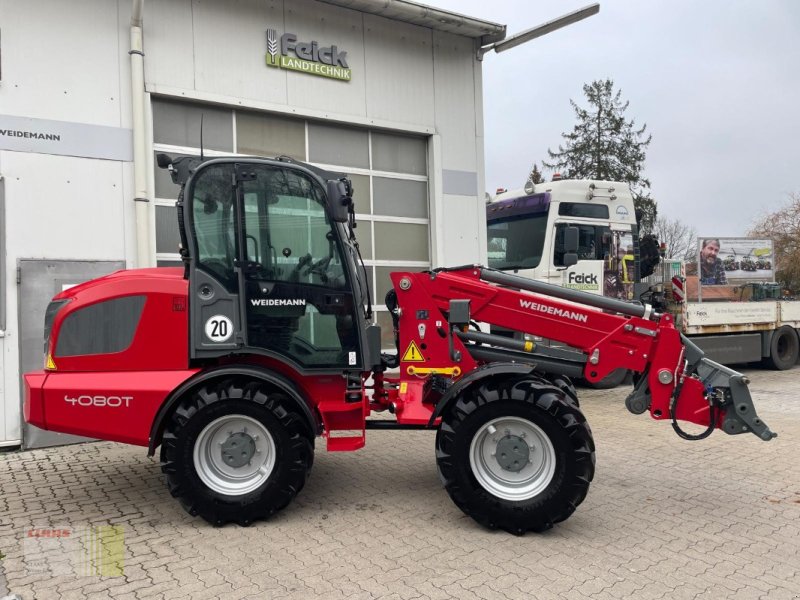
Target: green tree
x=604 y=145
x=535 y=176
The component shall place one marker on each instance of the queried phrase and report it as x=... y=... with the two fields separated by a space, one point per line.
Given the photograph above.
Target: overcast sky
x=716 y=81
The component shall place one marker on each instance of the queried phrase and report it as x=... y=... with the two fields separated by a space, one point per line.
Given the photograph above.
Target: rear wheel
x=783 y=349
x=236 y=451
x=516 y=454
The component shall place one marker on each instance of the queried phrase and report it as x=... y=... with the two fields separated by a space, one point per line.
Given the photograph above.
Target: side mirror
x=340 y=200
x=570 y=258
x=570 y=240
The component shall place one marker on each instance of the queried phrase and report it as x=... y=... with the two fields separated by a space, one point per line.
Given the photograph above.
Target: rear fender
x=477 y=375
x=285 y=385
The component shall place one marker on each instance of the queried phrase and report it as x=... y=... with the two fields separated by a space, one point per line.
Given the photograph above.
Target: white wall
x=62 y=61
x=404 y=77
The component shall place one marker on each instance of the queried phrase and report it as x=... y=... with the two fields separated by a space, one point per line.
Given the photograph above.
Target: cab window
x=594 y=242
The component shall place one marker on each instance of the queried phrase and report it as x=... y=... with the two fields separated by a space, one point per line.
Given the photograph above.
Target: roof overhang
x=485 y=32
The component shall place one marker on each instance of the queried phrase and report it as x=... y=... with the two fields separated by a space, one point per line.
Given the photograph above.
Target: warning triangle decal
x=412 y=354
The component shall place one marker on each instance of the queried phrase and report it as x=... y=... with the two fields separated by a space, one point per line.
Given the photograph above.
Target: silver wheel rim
x=234 y=455
x=497 y=474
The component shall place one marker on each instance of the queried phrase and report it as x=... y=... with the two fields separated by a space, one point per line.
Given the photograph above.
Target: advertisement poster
x=727 y=261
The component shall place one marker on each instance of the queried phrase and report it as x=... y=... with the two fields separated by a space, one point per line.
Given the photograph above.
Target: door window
x=213 y=219
x=594 y=242
x=297 y=296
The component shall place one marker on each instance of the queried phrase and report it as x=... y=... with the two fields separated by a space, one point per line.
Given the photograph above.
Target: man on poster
x=712 y=271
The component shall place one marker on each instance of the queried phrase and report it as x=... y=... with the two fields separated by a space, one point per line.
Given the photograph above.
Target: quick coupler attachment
x=739 y=413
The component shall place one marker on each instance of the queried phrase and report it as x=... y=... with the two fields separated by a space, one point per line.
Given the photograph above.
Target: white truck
x=526 y=235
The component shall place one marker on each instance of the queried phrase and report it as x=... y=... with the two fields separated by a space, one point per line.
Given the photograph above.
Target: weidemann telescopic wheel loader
x=235 y=364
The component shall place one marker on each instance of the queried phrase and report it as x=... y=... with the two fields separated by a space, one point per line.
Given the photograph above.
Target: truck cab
x=527 y=227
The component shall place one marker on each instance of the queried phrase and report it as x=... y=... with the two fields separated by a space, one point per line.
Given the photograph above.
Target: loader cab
x=271 y=265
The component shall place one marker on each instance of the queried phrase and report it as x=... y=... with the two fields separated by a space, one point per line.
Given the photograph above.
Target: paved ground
x=664 y=518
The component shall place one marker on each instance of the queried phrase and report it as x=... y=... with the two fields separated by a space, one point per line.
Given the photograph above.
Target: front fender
x=479 y=374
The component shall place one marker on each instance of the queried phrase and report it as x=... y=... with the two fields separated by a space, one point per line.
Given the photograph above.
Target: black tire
x=565 y=384
x=527 y=399
x=291 y=447
x=614 y=379
x=783 y=349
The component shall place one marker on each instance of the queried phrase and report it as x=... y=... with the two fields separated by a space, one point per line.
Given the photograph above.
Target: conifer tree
x=604 y=145
x=535 y=176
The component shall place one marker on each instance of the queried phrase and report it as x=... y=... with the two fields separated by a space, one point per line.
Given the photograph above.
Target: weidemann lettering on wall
x=30 y=134
x=43 y=136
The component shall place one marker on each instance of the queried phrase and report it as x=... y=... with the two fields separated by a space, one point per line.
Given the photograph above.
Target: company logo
x=48 y=533
x=582 y=281
x=82 y=551
x=588 y=278
x=306 y=57
x=277 y=302
x=36 y=135
x=622 y=212
x=100 y=401
x=552 y=310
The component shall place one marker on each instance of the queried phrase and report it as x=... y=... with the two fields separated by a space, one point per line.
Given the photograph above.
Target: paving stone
x=664 y=519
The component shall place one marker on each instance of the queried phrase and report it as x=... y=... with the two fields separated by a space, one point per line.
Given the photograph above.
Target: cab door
x=282 y=268
x=588 y=274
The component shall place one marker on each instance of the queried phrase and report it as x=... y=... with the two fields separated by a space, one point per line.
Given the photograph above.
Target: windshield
x=516 y=243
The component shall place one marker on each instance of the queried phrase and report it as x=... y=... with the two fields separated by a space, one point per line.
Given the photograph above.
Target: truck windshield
x=516 y=243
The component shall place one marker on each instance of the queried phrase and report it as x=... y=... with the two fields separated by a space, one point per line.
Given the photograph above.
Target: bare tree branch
x=783 y=228
x=680 y=238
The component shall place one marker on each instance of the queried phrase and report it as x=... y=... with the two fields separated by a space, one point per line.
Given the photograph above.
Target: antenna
x=201 y=136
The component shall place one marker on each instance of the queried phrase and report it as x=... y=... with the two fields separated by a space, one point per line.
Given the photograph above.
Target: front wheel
x=515 y=454
x=235 y=451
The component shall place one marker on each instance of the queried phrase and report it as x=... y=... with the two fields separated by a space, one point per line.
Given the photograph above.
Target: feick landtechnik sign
x=327 y=61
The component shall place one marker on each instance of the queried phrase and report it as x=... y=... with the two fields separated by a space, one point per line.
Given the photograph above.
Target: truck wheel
x=783 y=349
x=515 y=454
x=235 y=452
x=616 y=378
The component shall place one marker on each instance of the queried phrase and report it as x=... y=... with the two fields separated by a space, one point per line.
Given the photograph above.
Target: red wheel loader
x=234 y=365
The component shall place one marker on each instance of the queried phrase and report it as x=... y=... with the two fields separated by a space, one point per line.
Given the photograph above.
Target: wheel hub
x=234 y=454
x=512 y=453
x=238 y=450
x=512 y=458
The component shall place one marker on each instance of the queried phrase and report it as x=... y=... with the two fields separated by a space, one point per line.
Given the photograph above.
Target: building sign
x=306 y=57
x=24 y=134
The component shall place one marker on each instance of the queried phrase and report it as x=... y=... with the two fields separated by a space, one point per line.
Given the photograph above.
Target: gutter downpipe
x=143 y=254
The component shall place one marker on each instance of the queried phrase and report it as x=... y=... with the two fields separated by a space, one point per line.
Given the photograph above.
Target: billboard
x=727 y=261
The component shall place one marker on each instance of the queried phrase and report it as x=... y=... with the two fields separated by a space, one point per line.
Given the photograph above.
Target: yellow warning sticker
x=412 y=354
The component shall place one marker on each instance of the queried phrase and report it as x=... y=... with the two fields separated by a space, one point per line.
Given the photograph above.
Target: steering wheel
x=319 y=268
x=297 y=271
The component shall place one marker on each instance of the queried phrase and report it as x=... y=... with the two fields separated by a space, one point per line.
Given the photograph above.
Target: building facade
x=387 y=92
